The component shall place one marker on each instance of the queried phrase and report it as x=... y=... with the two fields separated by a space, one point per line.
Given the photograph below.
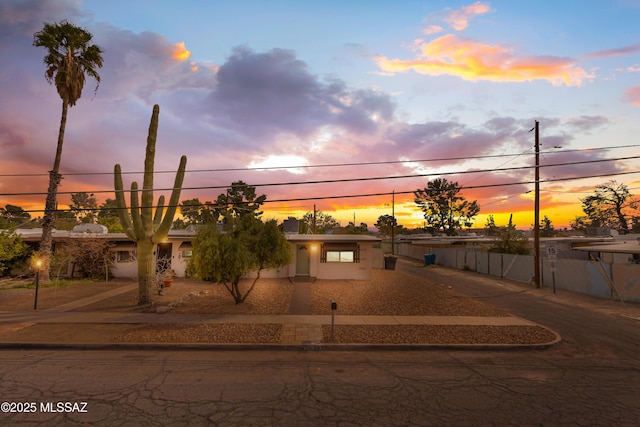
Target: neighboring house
x=618 y=251
x=321 y=256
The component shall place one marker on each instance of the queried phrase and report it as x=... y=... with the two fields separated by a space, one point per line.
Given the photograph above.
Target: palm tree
x=69 y=57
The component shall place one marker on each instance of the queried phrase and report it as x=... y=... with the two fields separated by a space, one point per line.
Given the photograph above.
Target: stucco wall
x=627 y=280
x=354 y=271
x=585 y=277
x=127 y=269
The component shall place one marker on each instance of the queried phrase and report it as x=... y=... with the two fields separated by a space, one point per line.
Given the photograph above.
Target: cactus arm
x=125 y=220
x=147 y=185
x=157 y=218
x=164 y=228
x=135 y=213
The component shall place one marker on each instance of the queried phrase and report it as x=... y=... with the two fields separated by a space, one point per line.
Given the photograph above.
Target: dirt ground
x=388 y=293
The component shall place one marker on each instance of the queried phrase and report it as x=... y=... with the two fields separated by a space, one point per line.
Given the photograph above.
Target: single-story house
x=321 y=256
x=334 y=256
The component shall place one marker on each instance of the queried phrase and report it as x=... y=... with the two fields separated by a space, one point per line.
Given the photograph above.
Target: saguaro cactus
x=143 y=226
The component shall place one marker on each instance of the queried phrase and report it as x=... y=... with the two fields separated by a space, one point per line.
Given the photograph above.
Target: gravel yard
x=388 y=293
x=265 y=333
x=391 y=292
x=440 y=334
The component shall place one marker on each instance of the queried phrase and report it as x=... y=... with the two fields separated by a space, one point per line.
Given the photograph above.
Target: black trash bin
x=390 y=262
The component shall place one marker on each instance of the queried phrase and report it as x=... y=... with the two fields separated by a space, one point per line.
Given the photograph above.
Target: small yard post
x=334 y=307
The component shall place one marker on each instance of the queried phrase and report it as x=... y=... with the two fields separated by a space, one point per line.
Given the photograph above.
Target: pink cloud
x=459 y=18
x=432 y=29
x=621 y=51
x=632 y=95
x=471 y=60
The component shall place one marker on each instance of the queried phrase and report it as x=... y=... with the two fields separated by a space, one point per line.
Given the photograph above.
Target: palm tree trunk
x=46 y=242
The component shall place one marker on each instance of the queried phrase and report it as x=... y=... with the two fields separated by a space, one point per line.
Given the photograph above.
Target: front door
x=303 y=260
x=163 y=257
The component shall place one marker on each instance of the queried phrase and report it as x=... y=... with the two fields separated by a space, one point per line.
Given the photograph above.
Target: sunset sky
x=417 y=89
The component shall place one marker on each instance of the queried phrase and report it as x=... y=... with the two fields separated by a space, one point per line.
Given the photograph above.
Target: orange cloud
x=632 y=95
x=180 y=52
x=470 y=60
x=459 y=19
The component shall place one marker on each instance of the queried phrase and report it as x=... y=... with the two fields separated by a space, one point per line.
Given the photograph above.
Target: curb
x=274 y=347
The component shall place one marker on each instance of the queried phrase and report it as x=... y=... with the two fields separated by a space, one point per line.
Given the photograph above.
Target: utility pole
x=393 y=222
x=536 y=215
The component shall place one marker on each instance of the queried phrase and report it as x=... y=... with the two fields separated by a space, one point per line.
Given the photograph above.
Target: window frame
x=347 y=253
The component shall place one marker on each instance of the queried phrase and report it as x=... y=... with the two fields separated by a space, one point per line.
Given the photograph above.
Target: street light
x=38 y=265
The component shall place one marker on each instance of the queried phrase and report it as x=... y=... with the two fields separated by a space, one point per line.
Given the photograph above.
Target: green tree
x=108 y=216
x=443 y=208
x=611 y=205
x=385 y=224
x=249 y=245
x=268 y=244
x=179 y=224
x=579 y=223
x=324 y=223
x=85 y=207
x=239 y=201
x=70 y=57
x=12 y=216
x=351 y=228
x=64 y=220
x=546 y=228
x=195 y=212
x=12 y=251
x=490 y=227
x=511 y=241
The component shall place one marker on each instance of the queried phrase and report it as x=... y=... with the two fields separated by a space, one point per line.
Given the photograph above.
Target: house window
x=340 y=252
x=340 y=256
x=187 y=254
x=125 y=256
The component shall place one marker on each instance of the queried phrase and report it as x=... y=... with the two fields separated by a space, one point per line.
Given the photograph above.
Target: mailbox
x=334 y=305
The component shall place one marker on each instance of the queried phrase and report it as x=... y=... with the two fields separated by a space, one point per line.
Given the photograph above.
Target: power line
x=352 y=196
x=335 y=181
x=443 y=159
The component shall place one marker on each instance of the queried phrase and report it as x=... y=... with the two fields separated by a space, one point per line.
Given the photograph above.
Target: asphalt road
x=589 y=326
x=591 y=378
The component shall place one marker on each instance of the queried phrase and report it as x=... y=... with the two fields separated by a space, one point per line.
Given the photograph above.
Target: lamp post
x=38 y=265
